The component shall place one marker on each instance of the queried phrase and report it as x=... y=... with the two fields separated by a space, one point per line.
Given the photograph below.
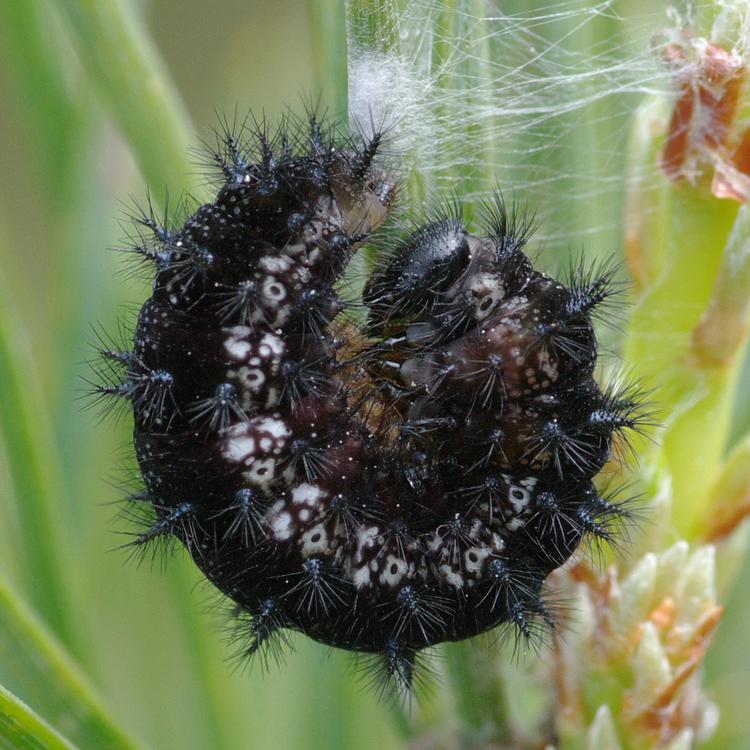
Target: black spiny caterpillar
x=383 y=487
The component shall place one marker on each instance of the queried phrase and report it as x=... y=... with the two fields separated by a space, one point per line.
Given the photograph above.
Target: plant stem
x=329 y=53
x=22 y=727
x=478 y=692
x=35 y=59
x=131 y=79
x=35 y=476
x=32 y=660
x=127 y=73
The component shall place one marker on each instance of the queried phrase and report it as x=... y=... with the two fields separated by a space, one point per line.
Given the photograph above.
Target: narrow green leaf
x=129 y=77
x=34 y=475
x=132 y=80
x=328 y=34
x=694 y=399
x=22 y=729
x=35 y=59
x=478 y=691
x=37 y=667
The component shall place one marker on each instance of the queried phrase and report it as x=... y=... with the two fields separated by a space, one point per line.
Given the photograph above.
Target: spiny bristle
x=396 y=673
x=159 y=524
x=416 y=274
x=260 y=638
x=362 y=159
x=592 y=285
x=217 y=412
x=417 y=609
x=315 y=589
x=511 y=228
x=246 y=513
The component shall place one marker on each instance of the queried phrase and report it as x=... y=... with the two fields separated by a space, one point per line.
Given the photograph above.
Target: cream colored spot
x=275 y=427
x=474 y=558
x=275 y=263
x=519 y=497
x=273 y=290
x=366 y=538
x=281 y=526
x=315 y=540
x=394 y=570
x=451 y=576
x=251 y=379
x=236 y=343
x=274 y=343
x=307 y=494
x=361 y=577
x=261 y=473
x=239 y=447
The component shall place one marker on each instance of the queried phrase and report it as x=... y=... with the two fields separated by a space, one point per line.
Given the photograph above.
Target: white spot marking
x=361 y=577
x=394 y=570
x=273 y=290
x=274 y=343
x=236 y=343
x=276 y=427
x=261 y=473
x=519 y=497
x=307 y=494
x=451 y=576
x=237 y=449
x=275 y=263
x=251 y=378
x=474 y=557
x=314 y=540
x=281 y=526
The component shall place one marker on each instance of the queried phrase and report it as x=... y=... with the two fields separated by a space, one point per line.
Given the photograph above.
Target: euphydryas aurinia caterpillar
x=383 y=486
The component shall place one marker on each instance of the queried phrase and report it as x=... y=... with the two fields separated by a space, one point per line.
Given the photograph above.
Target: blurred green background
x=149 y=639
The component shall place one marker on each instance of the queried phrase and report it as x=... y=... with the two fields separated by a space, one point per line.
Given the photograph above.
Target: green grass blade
x=694 y=397
x=37 y=667
x=34 y=475
x=328 y=33
x=34 y=58
x=22 y=729
x=131 y=79
x=477 y=684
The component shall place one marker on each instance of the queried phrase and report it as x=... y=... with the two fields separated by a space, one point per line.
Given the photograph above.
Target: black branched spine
x=381 y=488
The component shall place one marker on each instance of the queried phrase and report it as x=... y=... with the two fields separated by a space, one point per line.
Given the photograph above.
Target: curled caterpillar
x=380 y=486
